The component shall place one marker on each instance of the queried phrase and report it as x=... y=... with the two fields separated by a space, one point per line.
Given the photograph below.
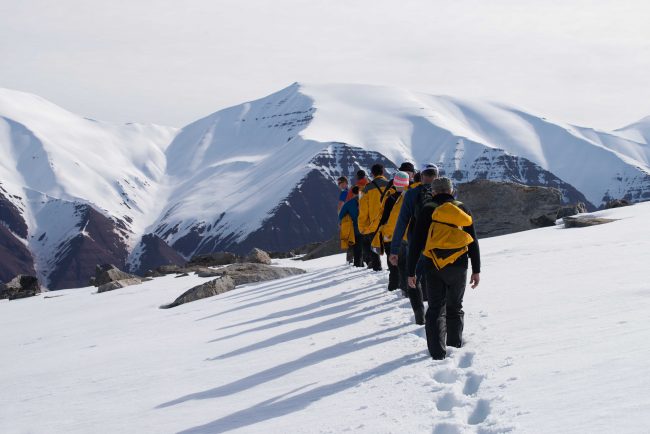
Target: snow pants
x=444 y=318
x=357 y=253
x=371 y=258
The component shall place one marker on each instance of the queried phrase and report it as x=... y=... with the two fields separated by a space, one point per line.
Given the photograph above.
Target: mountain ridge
x=251 y=174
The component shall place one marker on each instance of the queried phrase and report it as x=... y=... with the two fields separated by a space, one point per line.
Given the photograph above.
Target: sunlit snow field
x=557 y=341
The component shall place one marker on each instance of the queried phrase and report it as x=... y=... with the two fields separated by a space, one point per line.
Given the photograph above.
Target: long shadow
x=280 y=406
x=283 y=369
x=285 y=294
x=272 y=285
x=330 y=324
x=311 y=279
x=307 y=316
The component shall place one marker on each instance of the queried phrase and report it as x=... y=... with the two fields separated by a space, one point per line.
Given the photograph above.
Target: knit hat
x=407 y=167
x=442 y=185
x=430 y=169
x=401 y=179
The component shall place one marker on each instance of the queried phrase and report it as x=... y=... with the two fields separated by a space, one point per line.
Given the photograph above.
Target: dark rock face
x=214 y=259
x=15 y=258
x=208 y=289
x=21 y=286
x=11 y=217
x=156 y=252
x=258 y=256
x=501 y=208
x=570 y=210
x=107 y=273
x=75 y=259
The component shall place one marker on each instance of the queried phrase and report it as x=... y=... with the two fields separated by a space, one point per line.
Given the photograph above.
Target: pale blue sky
x=171 y=62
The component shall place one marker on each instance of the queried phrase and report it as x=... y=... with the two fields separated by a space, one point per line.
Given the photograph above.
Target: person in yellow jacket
x=370 y=210
x=349 y=232
x=392 y=205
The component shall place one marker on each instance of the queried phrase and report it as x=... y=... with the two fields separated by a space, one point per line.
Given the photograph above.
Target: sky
x=171 y=62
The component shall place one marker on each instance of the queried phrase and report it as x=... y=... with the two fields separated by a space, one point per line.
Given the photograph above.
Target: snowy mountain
x=555 y=342
x=262 y=173
x=74 y=191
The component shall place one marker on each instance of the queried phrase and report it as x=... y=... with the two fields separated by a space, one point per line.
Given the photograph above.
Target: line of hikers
x=427 y=236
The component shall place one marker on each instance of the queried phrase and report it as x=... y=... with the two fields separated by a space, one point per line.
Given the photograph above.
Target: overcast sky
x=171 y=62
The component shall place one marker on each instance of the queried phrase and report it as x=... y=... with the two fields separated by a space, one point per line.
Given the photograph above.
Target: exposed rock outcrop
x=249 y=273
x=107 y=273
x=502 y=207
x=208 y=289
x=258 y=256
x=616 y=203
x=116 y=284
x=21 y=286
x=214 y=259
x=231 y=276
x=570 y=210
x=327 y=248
x=584 y=221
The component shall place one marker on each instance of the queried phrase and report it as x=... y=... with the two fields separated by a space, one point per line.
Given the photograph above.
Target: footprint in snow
x=446 y=376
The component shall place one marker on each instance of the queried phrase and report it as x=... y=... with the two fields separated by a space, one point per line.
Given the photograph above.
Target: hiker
x=342 y=182
x=370 y=215
x=414 y=199
x=392 y=204
x=348 y=221
x=444 y=232
x=362 y=181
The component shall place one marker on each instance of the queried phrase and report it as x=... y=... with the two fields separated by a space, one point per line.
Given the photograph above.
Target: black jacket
x=421 y=233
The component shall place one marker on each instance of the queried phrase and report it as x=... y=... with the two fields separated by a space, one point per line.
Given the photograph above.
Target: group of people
x=428 y=237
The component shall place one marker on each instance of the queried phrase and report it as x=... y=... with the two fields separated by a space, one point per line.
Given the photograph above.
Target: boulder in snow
x=258 y=256
x=250 y=272
x=214 y=259
x=21 y=286
x=122 y=283
x=584 y=221
x=570 y=210
x=106 y=273
x=208 y=289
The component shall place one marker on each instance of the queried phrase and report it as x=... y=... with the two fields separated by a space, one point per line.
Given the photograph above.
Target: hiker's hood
x=451 y=214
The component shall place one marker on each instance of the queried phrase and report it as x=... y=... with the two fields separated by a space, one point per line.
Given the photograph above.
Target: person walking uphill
x=370 y=215
x=350 y=236
x=445 y=234
x=392 y=204
x=414 y=199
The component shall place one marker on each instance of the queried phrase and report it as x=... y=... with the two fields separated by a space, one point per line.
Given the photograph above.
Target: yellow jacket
x=370 y=206
x=447 y=241
x=389 y=227
x=347 y=232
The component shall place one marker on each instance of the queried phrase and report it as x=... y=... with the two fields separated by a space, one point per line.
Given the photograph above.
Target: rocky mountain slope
x=74 y=191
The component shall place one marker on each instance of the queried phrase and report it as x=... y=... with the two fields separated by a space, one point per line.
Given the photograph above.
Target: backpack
x=425 y=195
x=447 y=241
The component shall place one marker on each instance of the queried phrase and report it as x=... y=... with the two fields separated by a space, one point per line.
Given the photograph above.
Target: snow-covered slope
x=55 y=162
x=556 y=341
x=232 y=169
x=261 y=174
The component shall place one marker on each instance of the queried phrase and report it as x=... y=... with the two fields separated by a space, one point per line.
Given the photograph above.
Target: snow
x=555 y=341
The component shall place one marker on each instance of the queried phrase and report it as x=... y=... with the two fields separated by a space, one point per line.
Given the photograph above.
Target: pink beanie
x=401 y=179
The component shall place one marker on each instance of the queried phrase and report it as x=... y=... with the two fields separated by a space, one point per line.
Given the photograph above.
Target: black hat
x=407 y=167
x=361 y=173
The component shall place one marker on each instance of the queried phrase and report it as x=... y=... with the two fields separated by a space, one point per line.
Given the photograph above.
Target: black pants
x=371 y=258
x=357 y=252
x=395 y=273
x=444 y=318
